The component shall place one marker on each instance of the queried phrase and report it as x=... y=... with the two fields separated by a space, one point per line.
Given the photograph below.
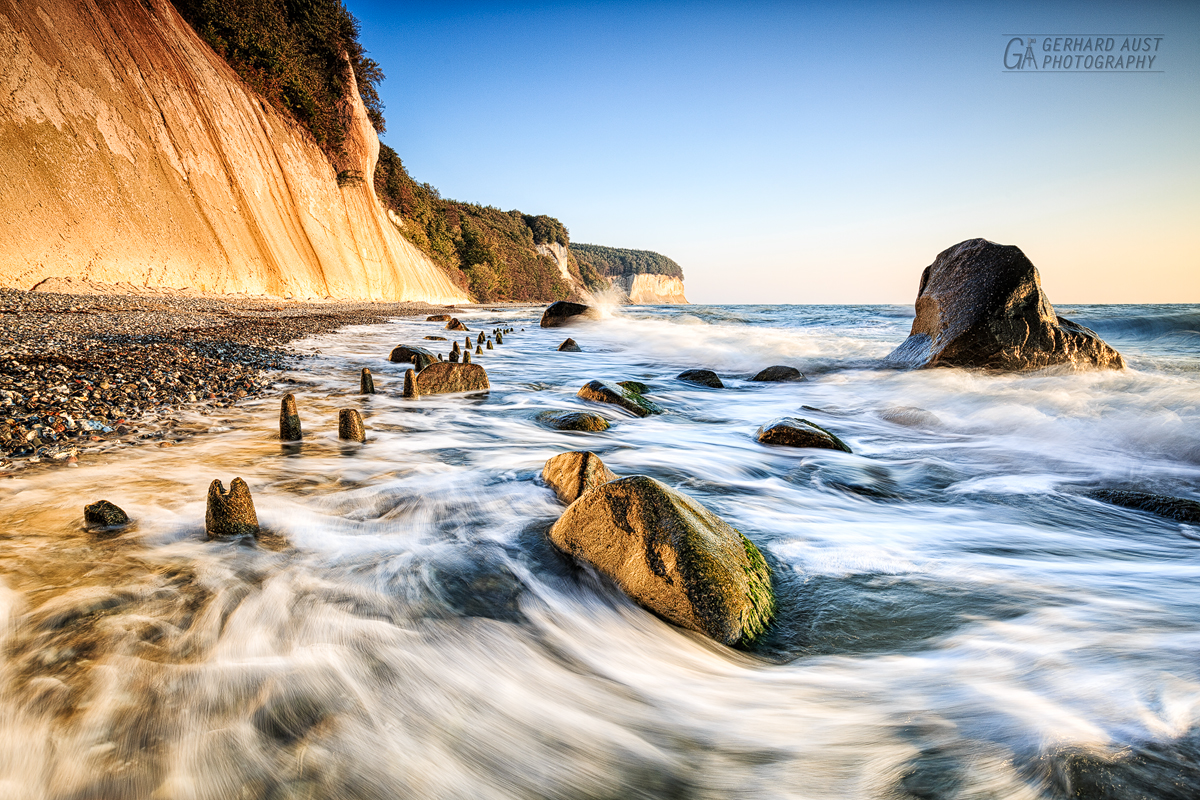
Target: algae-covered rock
x=230 y=513
x=794 y=432
x=778 y=374
x=289 y=420
x=620 y=396
x=103 y=514
x=636 y=387
x=703 y=377
x=672 y=556
x=446 y=376
x=572 y=474
x=572 y=421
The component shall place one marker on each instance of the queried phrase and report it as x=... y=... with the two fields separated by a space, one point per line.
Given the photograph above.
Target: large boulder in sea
x=795 y=432
x=562 y=313
x=981 y=304
x=572 y=474
x=619 y=395
x=672 y=556
x=442 y=377
x=413 y=354
x=778 y=374
x=703 y=377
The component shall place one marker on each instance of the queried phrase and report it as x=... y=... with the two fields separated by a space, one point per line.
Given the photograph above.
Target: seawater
x=956 y=619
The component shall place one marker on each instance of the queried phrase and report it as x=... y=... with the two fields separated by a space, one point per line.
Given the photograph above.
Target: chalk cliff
x=649 y=290
x=130 y=152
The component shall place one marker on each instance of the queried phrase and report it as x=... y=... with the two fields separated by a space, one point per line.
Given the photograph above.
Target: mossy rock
x=795 y=432
x=572 y=421
x=572 y=474
x=620 y=396
x=671 y=555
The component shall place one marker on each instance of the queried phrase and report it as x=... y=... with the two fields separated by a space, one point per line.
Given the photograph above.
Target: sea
x=957 y=617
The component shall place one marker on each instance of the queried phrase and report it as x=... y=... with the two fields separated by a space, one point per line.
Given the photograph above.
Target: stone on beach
x=779 y=374
x=366 y=383
x=562 y=313
x=572 y=421
x=671 y=555
x=456 y=325
x=445 y=377
x=620 y=396
x=103 y=514
x=350 y=425
x=572 y=474
x=795 y=432
x=981 y=304
x=569 y=346
x=704 y=377
x=230 y=513
x=289 y=420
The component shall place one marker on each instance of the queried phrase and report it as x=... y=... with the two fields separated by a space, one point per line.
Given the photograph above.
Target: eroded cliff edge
x=130 y=152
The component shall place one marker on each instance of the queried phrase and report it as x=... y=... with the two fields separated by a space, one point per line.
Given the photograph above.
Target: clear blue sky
x=808 y=153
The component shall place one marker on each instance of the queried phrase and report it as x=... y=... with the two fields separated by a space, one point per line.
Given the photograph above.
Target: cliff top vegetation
x=611 y=262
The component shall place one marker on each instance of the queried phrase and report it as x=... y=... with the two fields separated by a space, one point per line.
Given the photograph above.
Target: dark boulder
x=572 y=421
x=456 y=325
x=412 y=354
x=569 y=346
x=438 y=318
x=572 y=474
x=103 y=514
x=779 y=374
x=445 y=376
x=562 y=313
x=794 y=432
x=704 y=377
x=672 y=556
x=981 y=304
x=1176 y=508
x=230 y=513
x=617 y=395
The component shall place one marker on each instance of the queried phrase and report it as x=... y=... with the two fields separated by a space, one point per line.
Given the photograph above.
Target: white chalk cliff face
x=649 y=290
x=130 y=152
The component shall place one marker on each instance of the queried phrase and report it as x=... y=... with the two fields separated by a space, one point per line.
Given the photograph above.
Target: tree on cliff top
x=293 y=53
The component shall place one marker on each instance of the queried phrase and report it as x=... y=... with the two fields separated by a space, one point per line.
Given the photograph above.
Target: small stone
x=230 y=513
x=482 y=338
x=704 y=377
x=489 y=345
x=466 y=357
x=572 y=474
x=454 y=355
x=779 y=374
x=103 y=514
x=438 y=318
x=569 y=346
x=289 y=420
x=436 y=338
x=366 y=383
x=467 y=344
x=478 y=350
x=572 y=421
x=499 y=338
x=615 y=394
x=794 y=432
x=350 y=425
x=410 y=383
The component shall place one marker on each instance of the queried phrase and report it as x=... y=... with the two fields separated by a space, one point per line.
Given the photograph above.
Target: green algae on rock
x=620 y=396
x=796 y=432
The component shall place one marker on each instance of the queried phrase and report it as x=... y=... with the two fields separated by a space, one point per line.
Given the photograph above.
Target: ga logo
x=1016 y=58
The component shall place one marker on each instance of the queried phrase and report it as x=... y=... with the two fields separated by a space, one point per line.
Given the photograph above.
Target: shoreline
x=84 y=373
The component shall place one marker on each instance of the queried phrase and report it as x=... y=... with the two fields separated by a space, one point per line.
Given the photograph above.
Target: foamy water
x=956 y=620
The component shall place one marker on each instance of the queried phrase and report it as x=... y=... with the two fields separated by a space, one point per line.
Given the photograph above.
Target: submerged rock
x=569 y=346
x=562 y=313
x=436 y=338
x=1177 y=508
x=289 y=420
x=910 y=416
x=445 y=376
x=455 y=325
x=779 y=374
x=795 y=432
x=438 y=318
x=103 y=514
x=572 y=474
x=981 y=304
x=704 y=377
x=230 y=513
x=350 y=425
x=366 y=383
x=572 y=421
x=672 y=556
x=412 y=354
x=618 y=395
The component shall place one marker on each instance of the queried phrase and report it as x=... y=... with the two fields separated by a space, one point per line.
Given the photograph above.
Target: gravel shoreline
x=80 y=373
